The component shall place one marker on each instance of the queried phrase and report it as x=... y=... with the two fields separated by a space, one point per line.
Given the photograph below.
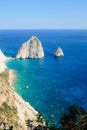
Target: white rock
x=59 y=52
x=2 y=66
x=2 y=57
x=31 y=49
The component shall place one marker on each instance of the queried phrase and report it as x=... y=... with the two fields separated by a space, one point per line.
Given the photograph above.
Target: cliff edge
x=3 y=58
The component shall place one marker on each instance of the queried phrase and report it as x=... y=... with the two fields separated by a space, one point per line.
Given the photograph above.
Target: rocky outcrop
x=59 y=52
x=31 y=49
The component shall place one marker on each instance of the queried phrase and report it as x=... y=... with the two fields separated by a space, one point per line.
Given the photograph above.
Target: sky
x=43 y=14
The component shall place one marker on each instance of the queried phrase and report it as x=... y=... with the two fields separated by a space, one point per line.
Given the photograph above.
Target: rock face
x=2 y=59
x=59 y=52
x=2 y=66
x=31 y=49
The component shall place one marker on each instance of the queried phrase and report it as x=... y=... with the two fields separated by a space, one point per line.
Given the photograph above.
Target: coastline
x=24 y=111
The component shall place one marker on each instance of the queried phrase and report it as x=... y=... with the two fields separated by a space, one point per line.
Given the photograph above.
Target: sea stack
x=59 y=52
x=31 y=49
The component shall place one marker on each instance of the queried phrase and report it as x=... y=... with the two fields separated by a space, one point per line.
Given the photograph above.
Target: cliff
x=14 y=111
x=2 y=64
x=3 y=58
x=31 y=49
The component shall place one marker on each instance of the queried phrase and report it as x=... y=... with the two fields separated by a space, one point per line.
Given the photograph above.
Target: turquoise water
x=54 y=83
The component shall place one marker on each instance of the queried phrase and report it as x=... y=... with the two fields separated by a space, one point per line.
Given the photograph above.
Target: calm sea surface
x=54 y=83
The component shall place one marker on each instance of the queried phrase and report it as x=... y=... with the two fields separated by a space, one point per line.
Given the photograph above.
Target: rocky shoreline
x=17 y=109
x=13 y=109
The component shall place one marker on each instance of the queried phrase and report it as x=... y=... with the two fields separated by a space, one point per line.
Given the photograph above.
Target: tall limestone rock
x=59 y=52
x=31 y=49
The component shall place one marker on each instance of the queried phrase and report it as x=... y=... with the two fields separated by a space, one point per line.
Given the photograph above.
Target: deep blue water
x=54 y=83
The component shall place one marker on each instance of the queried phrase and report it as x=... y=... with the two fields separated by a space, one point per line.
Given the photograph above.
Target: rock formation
x=59 y=52
x=31 y=49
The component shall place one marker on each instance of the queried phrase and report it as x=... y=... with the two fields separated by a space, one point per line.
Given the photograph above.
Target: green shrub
x=75 y=119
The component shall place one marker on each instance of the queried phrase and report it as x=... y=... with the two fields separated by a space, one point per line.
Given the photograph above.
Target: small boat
x=26 y=87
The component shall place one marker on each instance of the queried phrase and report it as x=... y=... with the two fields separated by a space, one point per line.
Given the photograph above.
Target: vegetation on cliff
x=8 y=112
x=14 y=111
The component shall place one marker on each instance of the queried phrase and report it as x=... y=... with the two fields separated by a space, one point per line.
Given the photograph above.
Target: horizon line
x=44 y=29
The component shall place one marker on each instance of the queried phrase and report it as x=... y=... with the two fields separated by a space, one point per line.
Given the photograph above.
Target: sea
x=53 y=83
